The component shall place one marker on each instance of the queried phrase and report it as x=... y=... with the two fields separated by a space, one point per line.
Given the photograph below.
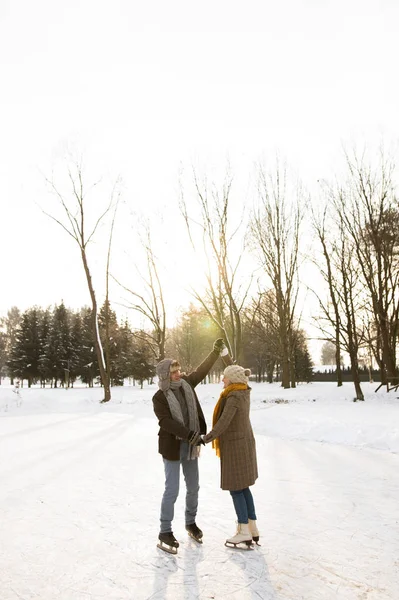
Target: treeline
x=357 y=228
x=54 y=346
x=365 y=374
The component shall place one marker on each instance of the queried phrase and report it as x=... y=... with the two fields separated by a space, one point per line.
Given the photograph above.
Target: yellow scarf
x=217 y=410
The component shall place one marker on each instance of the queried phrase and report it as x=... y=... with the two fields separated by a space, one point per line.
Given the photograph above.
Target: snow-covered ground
x=81 y=484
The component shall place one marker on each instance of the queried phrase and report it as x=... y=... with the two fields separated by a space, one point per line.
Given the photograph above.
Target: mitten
x=194 y=438
x=218 y=345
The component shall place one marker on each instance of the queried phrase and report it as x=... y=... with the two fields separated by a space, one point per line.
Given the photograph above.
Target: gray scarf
x=176 y=412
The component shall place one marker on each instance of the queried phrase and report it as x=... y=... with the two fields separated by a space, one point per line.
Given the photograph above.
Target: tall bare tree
x=116 y=193
x=263 y=327
x=327 y=272
x=74 y=206
x=225 y=295
x=150 y=303
x=342 y=312
x=275 y=229
x=370 y=208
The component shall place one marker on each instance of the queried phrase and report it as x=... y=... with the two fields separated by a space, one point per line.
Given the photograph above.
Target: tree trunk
x=338 y=358
x=285 y=372
x=387 y=354
x=96 y=333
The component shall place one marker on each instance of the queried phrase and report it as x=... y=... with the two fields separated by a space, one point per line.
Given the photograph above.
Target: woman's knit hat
x=237 y=374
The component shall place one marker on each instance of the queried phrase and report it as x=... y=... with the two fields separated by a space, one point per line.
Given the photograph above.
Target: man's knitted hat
x=237 y=374
x=163 y=372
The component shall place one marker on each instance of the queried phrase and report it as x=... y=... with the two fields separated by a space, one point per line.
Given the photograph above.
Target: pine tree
x=125 y=358
x=12 y=322
x=88 y=368
x=111 y=345
x=76 y=347
x=55 y=358
x=303 y=361
x=3 y=353
x=44 y=328
x=25 y=353
x=142 y=361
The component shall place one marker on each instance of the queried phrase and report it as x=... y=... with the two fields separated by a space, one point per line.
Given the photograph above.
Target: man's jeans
x=172 y=479
x=244 y=505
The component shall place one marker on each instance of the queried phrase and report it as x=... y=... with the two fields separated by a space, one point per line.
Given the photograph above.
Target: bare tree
x=275 y=229
x=342 y=312
x=326 y=270
x=370 y=209
x=225 y=296
x=151 y=303
x=75 y=209
x=263 y=326
x=107 y=302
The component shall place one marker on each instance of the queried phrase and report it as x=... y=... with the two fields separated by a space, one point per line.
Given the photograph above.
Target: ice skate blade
x=166 y=548
x=198 y=540
x=239 y=545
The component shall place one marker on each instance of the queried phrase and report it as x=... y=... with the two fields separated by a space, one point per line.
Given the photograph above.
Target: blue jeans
x=172 y=481
x=244 y=505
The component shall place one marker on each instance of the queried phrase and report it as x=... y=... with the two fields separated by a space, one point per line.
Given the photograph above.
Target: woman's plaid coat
x=238 y=462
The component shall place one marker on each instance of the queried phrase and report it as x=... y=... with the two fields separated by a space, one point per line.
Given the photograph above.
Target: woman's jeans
x=244 y=505
x=172 y=480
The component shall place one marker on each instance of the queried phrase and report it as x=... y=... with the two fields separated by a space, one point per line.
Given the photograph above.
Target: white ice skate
x=242 y=539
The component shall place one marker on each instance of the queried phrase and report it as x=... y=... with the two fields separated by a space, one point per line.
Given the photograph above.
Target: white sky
x=140 y=88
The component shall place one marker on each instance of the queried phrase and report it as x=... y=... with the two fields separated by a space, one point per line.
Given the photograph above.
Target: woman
x=234 y=442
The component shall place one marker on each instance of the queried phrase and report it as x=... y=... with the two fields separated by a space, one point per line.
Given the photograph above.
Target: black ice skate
x=195 y=532
x=254 y=531
x=168 y=542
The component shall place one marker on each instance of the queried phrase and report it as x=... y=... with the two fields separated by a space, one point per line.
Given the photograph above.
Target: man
x=181 y=423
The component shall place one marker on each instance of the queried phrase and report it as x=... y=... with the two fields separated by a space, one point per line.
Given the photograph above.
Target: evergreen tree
x=142 y=361
x=25 y=353
x=12 y=322
x=75 y=345
x=3 y=353
x=56 y=352
x=111 y=345
x=88 y=369
x=125 y=358
x=303 y=361
x=44 y=328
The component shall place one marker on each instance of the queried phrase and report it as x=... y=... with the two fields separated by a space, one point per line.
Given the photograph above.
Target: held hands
x=194 y=438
